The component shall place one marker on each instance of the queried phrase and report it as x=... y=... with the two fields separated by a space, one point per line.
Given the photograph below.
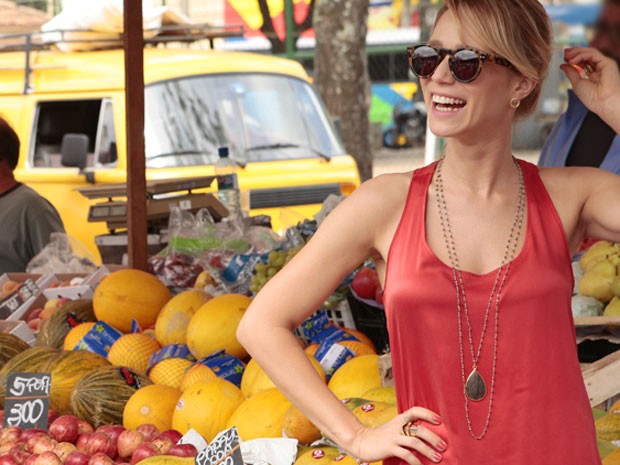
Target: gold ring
x=587 y=70
x=409 y=429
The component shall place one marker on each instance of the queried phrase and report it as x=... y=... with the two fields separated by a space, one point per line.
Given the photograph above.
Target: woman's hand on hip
x=401 y=438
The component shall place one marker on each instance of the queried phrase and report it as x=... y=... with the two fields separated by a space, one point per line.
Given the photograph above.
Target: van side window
x=54 y=119
x=105 y=148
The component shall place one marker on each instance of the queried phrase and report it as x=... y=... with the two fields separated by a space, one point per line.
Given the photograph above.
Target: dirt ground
x=399 y=160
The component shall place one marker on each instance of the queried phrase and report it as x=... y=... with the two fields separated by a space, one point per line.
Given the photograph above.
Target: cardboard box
x=19 y=329
x=113 y=247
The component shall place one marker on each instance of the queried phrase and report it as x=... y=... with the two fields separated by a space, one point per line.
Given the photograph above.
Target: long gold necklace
x=474 y=387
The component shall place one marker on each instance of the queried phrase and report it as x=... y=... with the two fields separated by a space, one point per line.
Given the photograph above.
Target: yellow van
x=262 y=107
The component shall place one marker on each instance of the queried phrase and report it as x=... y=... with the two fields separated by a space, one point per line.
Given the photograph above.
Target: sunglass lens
x=424 y=61
x=465 y=65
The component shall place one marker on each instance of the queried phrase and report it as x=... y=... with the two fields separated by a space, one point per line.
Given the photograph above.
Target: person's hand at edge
x=596 y=81
x=389 y=439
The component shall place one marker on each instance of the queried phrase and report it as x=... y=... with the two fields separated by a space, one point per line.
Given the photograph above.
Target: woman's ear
x=523 y=86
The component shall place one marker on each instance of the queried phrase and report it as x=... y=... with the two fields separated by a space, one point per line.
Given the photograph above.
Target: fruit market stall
x=145 y=368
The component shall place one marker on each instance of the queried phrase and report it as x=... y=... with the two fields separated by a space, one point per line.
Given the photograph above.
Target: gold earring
x=515 y=102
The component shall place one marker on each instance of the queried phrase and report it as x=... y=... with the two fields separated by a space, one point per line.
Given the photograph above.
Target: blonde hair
x=517 y=30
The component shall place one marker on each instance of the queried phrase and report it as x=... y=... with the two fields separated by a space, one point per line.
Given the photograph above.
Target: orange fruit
x=76 y=334
x=194 y=374
x=358 y=348
x=151 y=404
x=133 y=351
x=127 y=295
x=169 y=372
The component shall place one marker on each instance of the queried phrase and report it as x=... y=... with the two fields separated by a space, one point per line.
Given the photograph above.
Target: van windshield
x=260 y=117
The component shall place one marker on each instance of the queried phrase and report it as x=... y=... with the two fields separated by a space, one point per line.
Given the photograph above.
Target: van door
x=56 y=179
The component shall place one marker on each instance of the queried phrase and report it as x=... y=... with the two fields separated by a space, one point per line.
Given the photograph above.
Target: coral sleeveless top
x=541 y=413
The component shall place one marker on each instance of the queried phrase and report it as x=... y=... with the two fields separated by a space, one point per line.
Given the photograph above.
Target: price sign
x=27 y=400
x=223 y=450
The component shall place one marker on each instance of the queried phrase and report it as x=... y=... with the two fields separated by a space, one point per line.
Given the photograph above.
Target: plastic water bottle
x=227 y=184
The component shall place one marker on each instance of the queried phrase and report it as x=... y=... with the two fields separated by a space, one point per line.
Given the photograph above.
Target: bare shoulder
x=575 y=179
x=382 y=195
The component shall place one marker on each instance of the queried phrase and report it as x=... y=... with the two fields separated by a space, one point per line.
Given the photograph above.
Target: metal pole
x=290 y=27
x=134 y=121
x=405 y=17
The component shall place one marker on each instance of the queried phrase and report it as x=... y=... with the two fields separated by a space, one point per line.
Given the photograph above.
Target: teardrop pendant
x=475 y=387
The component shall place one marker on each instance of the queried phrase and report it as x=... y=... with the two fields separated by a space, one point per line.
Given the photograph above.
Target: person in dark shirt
x=581 y=137
x=26 y=218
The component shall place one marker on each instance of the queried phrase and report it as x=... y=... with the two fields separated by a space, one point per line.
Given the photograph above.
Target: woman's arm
x=598 y=84
x=344 y=240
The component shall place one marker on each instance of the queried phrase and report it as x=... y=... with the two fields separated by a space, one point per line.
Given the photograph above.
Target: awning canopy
x=585 y=14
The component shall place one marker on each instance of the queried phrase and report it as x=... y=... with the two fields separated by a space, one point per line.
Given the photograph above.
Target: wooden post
x=134 y=121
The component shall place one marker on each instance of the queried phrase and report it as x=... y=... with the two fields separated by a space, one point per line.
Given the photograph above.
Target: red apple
x=64 y=428
x=172 y=434
x=365 y=283
x=77 y=458
x=128 y=441
x=112 y=431
x=149 y=430
x=1 y=417
x=100 y=459
x=51 y=416
x=183 y=450
x=34 y=314
x=19 y=452
x=163 y=444
x=8 y=460
x=84 y=427
x=47 y=458
x=143 y=451
x=63 y=300
x=28 y=433
x=6 y=447
x=82 y=441
x=43 y=444
x=379 y=295
x=100 y=442
x=9 y=434
x=63 y=449
x=30 y=460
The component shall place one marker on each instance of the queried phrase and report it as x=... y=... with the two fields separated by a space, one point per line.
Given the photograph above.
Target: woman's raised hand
x=596 y=81
x=403 y=437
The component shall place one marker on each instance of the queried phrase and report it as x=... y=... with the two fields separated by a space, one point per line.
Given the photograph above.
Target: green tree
x=278 y=45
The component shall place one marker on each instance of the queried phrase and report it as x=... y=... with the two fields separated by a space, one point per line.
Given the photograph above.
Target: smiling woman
x=473 y=253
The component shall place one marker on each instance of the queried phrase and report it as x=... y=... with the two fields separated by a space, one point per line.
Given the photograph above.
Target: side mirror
x=74 y=150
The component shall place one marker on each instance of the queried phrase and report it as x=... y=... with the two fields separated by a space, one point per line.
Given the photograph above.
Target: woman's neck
x=7 y=179
x=480 y=168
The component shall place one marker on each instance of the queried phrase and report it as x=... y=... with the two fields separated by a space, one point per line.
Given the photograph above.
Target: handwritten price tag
x=223 y=450
x=27 y=400
x=14 y=300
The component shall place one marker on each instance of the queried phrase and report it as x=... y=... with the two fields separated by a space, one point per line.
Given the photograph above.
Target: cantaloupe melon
x=172 y=321
x=261 y=416
x=356 y=377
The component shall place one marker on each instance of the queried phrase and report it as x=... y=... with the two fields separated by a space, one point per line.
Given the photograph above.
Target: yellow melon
x=608 y=427
x=358 y=348
x=206 y=407
x=311 y=349
x=344 y=459
x=214 y=325
x=317 y=456
x=360 y=337
x=255 y=380
x=297 y=426
x=356 y=377
x=127 y=295
x=375 y=413
x=613 y=458
x=197 y=372
x=260 y=416
x=170 y=371
x=381 y=394
x=133 y=351
x=76 y=334
x=151 y=404
x=172 y=321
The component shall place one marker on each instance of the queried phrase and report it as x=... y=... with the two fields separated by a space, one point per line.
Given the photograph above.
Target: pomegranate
x=64 y=428
x=128 y=441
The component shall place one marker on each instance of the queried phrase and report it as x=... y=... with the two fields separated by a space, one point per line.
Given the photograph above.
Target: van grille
x=288 y=196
